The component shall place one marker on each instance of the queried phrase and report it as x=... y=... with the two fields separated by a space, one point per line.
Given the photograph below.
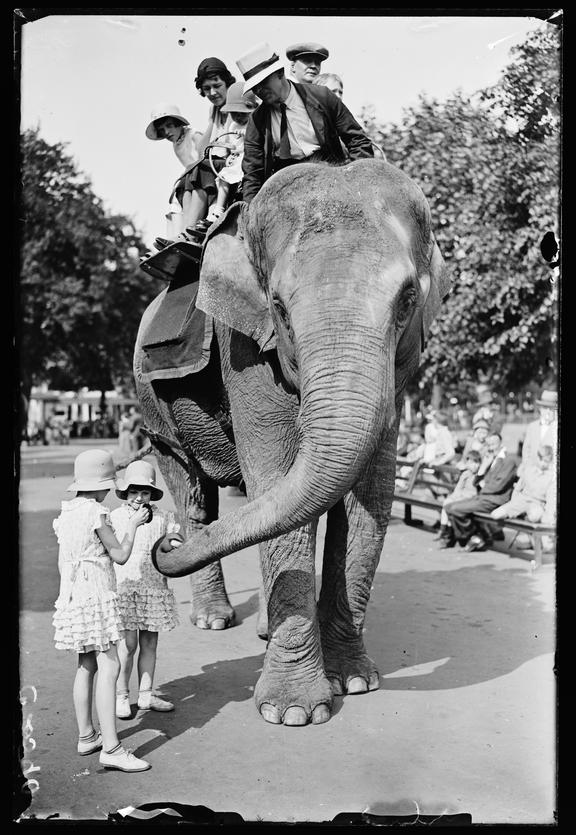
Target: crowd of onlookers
x=57 y=429
x=494 y=480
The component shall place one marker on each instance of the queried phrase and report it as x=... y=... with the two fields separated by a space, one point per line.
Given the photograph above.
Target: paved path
x=463 y=721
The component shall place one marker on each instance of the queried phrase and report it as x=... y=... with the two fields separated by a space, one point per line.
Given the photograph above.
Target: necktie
x=284 y=147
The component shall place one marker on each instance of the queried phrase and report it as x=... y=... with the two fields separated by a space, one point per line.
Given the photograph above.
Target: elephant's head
x=336 y=269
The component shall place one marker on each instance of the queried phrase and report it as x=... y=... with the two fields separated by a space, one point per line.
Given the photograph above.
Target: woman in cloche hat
x=147 y=604
x=87 y=619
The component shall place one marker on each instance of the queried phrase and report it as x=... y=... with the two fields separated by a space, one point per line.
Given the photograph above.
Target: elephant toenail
x=357 y=685
x=218 y=623
x=295 y=717
x=320 y=714
x=336 y=686
x=270 y=714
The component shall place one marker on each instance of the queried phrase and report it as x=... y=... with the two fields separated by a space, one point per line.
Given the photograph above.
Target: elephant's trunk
x=347 y=400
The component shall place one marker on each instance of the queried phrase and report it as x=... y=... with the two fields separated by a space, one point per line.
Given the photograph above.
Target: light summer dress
x=145 y=599
x=87 y=615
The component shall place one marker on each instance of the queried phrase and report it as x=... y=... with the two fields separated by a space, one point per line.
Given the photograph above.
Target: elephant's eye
x=282 y=312
x=406 y=302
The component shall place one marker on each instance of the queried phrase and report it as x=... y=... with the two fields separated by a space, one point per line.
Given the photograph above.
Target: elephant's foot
x=348 y=668
x=210 y=607
x=290 y=695
x=213 y=616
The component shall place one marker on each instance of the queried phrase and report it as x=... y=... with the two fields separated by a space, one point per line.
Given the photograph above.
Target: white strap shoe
x=123 y=709
x=152 y=702
x=123 y=760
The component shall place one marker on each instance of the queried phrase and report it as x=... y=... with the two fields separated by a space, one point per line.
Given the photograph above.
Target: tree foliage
x=81 y=292
x=490 y=169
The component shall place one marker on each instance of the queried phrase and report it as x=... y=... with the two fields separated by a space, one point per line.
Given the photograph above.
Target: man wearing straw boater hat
x=295 y=122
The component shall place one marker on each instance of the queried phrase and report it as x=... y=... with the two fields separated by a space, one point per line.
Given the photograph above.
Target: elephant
x=322 y=292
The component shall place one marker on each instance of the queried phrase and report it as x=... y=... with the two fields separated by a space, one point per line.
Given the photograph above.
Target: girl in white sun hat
x=147 y=604
x=87 y=618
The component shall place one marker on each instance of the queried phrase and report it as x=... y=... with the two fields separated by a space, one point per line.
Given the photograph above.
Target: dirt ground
x=464 y=720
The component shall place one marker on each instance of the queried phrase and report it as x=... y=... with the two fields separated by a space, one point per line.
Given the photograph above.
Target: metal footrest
x=178 y=261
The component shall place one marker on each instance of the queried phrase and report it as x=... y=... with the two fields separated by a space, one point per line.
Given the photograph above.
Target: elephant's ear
x=229 y=289
x=436 y=284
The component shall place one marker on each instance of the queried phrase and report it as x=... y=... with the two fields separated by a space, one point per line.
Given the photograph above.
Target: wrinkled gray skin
x=321 y=293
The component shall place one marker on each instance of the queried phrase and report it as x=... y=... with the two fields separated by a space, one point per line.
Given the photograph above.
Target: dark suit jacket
x=500 y=478
x=332 y=122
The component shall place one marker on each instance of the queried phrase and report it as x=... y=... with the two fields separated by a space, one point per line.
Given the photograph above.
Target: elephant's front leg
x=293 y=688
x=355 y=531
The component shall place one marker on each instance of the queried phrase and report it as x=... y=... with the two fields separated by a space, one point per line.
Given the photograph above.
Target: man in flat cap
x=295 y=122
x=305 y=60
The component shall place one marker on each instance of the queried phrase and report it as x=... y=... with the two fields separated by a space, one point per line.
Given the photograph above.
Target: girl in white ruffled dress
x=87 y=618
x=147 y=604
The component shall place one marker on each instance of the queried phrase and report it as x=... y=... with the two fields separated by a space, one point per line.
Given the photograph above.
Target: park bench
x=440 y=481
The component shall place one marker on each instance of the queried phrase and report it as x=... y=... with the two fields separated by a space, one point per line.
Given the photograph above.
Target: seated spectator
x=332 y=81
x=477 y=439
x=466 y=488
x=495 y=485
x=439 y=444
x=532 y=490
x=412 y=452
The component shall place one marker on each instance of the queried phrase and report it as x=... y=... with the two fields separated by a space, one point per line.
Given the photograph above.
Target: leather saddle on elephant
x=177 y=339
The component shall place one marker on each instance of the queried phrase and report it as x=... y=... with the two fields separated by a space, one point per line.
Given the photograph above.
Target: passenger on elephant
x=332 y=81
x=533 y=490
x=197 y=187
x=305 y=61
x=147 y=604
x=167 y=122
x=239 y=105
x=466 y=487
x=295 y=123
x=495 y=489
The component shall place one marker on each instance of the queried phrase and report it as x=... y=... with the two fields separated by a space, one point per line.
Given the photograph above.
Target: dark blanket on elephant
x=177 y=340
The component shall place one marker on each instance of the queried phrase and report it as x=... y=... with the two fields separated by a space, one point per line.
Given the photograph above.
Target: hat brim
x=151 y=129
x=294 y=56
x=236 y=108
x=122 y=491
x=547 y=404
x=91 y=484
x=260 y=76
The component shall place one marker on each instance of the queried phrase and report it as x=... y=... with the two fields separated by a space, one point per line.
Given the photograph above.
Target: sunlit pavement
x=463 y=720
